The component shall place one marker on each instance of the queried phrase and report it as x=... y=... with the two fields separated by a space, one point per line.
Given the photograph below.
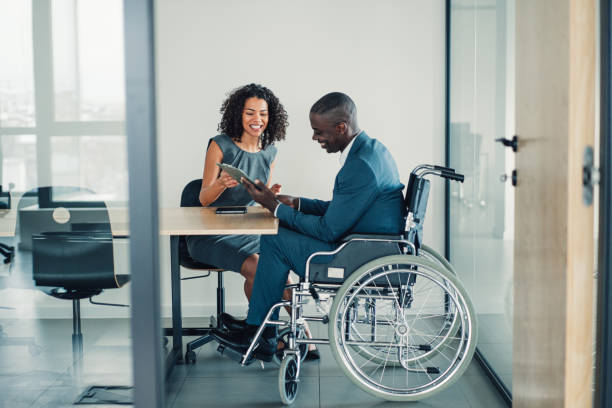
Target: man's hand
x=288 y=200
x=263 y=195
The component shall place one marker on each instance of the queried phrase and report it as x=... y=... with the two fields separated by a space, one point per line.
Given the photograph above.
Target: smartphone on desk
x=231 y=210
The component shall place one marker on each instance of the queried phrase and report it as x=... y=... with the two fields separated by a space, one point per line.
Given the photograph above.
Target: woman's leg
x=248 y=268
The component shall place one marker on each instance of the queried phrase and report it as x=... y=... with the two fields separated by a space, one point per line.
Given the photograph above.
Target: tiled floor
x=38 y=372
x=216 y=381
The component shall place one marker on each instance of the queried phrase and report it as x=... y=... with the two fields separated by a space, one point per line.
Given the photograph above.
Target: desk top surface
x=204 y=221
x=179 y=221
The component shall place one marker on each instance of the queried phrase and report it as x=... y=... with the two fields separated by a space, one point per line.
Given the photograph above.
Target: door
x=553 y=275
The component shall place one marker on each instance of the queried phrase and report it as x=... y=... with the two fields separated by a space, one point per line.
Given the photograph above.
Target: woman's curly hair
x=232 y=107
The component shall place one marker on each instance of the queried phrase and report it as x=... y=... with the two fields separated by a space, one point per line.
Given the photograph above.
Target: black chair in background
x=190 y=198
x=7 y=251
x=72 y=248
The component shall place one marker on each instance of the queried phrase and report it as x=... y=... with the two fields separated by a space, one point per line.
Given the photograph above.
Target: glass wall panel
x=482 y=208
x=88 y=60
x=96 y=162
x=16 y=70
x=18 y=155
x=64 y=271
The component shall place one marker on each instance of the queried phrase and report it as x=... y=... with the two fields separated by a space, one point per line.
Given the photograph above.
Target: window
x=62 y=120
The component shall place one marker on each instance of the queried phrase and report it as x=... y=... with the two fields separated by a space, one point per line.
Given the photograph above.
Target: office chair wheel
x=410 y=327
x=190 y=357
x=283 y=336
x=288 y=381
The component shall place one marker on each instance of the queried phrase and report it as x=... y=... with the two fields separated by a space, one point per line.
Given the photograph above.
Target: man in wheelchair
x=367 y=198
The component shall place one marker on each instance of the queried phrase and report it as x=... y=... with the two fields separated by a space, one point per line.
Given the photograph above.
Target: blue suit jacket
x=367 y=198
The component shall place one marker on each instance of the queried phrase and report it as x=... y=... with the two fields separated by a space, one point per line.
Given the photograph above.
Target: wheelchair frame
x=432 y=269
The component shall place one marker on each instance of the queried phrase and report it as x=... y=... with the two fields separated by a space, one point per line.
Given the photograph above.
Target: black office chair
x=7 y=251
x=72 y=248
x=190 y=198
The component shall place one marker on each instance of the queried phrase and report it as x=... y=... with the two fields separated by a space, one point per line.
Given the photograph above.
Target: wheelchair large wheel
x=435 y=256
x=408 y=292
x=363 y=313
x=288 y=379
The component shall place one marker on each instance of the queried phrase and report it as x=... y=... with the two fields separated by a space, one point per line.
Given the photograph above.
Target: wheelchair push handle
x=453 y=176
x=442 y=168
x=444 y=172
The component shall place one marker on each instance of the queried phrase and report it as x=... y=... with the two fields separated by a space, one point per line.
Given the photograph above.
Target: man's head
x=333 y=119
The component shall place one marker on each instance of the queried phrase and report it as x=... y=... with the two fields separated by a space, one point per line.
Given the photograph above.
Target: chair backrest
x=417 y=194
x=190 y=197
x=70 y=237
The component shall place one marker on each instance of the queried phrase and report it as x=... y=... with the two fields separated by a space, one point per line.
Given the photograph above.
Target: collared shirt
x=346 y=150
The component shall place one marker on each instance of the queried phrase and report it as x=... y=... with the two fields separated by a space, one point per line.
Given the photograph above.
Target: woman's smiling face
x=254 y=116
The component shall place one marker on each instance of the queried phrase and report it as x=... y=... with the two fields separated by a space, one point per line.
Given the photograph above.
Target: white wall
x=387 y=55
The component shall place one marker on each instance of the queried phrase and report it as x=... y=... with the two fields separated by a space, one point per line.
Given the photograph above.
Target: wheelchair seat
x=354 y=251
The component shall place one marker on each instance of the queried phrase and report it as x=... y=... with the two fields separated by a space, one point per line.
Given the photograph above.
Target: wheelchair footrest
x=235 y=355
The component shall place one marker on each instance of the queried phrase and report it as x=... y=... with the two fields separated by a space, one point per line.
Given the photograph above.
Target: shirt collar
x=346 y=150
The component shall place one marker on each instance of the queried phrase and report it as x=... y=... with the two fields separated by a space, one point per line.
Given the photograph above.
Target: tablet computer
x=236 y=173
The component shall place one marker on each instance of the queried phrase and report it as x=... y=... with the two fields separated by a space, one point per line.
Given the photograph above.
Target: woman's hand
x=226 y=180
x=276 y=188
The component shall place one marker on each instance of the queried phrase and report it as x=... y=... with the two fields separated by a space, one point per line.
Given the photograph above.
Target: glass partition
x=481 y=224
x=64 y=272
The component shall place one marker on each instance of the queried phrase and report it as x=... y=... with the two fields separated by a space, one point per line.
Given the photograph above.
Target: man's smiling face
x=327 y=133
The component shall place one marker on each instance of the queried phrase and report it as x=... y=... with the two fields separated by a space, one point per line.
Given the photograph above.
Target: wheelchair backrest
x=417 y=194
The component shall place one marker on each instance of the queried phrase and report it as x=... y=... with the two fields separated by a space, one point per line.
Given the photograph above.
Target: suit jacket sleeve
x=314 y=207
x=354 y=193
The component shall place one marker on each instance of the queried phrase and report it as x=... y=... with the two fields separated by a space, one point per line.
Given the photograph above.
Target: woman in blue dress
x=253 y=119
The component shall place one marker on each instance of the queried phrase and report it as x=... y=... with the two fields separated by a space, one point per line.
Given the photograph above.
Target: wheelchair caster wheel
x=288 y=382
x=283 y=336
x=190 y=357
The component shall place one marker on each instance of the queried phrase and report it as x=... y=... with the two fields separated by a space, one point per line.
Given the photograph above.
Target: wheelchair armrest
x=371 y=236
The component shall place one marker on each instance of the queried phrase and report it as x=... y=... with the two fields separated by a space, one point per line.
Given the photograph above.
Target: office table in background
x=174 y=222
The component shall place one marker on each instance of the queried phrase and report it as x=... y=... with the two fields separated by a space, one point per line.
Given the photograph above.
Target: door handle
x=513 y=143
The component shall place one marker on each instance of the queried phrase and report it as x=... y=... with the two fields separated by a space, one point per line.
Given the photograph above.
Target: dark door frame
x=603 y=358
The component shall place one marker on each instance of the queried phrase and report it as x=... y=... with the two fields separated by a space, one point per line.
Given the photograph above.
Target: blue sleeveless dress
x=230 y=251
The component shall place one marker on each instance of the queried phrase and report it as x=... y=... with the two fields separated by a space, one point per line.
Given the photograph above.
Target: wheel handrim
x=463 y=339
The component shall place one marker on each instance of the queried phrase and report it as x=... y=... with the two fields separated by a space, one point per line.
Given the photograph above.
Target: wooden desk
x=175 y=222
x=202 y=221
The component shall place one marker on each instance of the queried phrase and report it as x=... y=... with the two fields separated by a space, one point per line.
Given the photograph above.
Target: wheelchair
x=400 y=324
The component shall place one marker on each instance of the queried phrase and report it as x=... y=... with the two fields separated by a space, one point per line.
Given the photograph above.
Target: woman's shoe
x=312 y=355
